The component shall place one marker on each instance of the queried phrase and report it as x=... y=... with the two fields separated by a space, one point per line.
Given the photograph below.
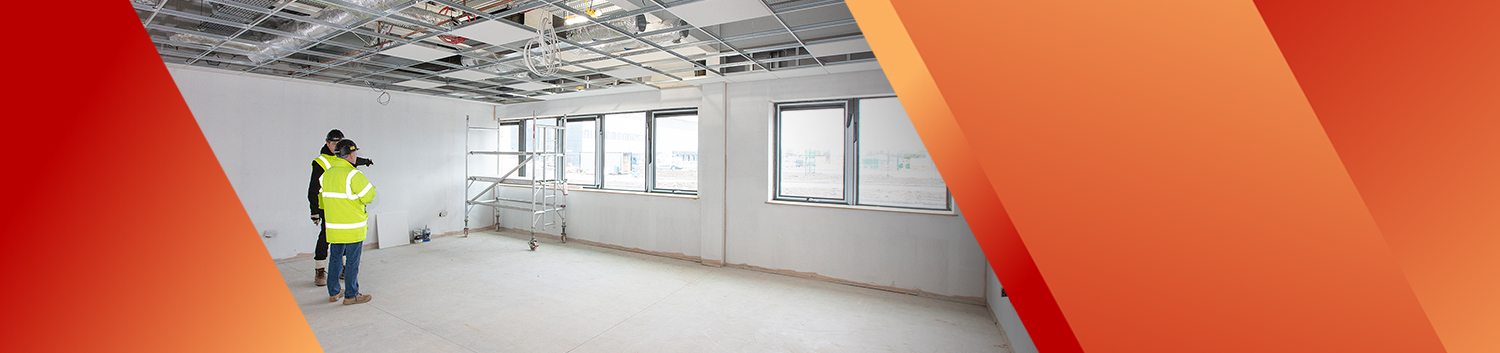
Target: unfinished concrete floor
x=487 y=293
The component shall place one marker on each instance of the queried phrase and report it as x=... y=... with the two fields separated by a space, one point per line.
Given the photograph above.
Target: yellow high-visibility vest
x=345 y=192
x=325 y=160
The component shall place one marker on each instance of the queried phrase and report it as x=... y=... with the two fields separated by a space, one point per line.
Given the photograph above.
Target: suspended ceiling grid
x=473 y=50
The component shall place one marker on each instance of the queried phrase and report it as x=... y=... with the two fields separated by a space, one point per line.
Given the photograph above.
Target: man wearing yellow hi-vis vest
x=345 y=192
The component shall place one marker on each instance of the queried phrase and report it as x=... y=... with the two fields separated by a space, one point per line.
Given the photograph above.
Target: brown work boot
x=321 y=278
x=358 y=299
x=335 y=297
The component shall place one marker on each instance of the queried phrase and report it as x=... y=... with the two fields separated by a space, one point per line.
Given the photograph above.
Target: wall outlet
x=268 y=234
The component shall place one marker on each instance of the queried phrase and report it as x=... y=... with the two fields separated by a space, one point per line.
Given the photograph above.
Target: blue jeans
x=345 y=257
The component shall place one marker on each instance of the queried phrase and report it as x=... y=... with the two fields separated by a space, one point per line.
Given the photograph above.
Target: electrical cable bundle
x=541 y=52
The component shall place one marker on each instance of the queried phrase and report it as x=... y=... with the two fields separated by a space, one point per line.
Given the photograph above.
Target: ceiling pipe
x=261 y=52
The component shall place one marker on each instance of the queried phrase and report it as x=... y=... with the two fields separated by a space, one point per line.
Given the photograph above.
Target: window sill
x=864 y=208
x=572 y=188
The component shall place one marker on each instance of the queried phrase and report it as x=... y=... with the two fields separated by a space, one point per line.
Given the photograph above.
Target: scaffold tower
x=540 y=161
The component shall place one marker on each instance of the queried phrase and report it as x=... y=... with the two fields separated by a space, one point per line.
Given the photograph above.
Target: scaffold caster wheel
x=565 y=238
x=533 y=245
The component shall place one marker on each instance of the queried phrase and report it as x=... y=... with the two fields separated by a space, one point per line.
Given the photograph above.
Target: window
x=582 y=151
x=625 y=151
x=894 y=168
x=674 y=146
x=855 y=152
x=650 y=151
x=510 y=140
x=534 y=139
x=811 y=150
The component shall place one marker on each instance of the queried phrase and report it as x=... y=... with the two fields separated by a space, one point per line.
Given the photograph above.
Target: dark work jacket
x=313 y=189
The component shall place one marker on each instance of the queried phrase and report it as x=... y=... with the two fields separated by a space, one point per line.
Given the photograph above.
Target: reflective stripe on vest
x=349 y=182
x=341 y=195
x=345 y=225
x=323 y=162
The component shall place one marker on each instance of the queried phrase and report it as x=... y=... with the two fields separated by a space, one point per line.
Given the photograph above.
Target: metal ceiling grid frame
x=608 y=43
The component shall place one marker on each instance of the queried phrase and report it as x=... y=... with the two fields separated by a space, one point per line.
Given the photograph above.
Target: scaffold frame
x=540 y=154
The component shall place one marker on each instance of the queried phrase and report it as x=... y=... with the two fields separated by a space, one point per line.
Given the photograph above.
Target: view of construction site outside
x=812 y=153
x=582 y=139
x=676 y=152
x=625 y=151
x=894 y=167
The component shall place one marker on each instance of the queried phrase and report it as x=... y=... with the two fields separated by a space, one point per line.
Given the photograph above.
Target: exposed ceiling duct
x=261 y=52
x=633 y=25
x=356 y=45
x=235 y=14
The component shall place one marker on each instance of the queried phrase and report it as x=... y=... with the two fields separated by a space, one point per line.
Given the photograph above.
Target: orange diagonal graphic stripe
x=126 y=233
x=1408 y=93
x=1163 y=170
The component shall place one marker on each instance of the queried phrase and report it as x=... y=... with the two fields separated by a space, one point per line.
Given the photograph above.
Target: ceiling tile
x=699 y=80
x=602 y=64
x=711 y=12
x=417 y=52
x=859 y=66
x=530 y=86
x=494 y=32
x=690 y=51
x=857 y=45
x=470 y=75
x=648 y=57
x=630 y=72
x=754 y=76
x=799 y=72
x=420 y=84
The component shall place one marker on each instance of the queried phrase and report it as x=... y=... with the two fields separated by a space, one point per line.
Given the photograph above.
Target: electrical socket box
x=268 y=234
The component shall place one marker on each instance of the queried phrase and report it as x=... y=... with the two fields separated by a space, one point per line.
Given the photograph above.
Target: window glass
x=811 y=147
x=510 y=141
x=539 y=139
x=625 y=151
x=894 y=167
x=582 y=152
x=676 y=152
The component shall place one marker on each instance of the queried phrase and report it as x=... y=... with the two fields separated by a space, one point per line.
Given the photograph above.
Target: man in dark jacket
x=314 y=191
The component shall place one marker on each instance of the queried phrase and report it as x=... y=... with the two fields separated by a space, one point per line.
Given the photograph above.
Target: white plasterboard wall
x=265 y=133
x=932 y=253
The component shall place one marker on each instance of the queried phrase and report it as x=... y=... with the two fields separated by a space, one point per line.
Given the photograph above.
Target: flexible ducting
x=277 y=47
x=428 y=17
x=636 y=25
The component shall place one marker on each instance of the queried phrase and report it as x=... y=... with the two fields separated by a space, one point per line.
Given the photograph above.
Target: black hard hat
x=335 y=135
x=344 y=148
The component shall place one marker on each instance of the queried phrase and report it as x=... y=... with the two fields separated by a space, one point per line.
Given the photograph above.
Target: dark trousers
x=320 y=252
x=345 y=263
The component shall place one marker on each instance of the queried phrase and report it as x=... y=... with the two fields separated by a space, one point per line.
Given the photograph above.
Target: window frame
x=851 y=154
x=520 y=133
x=651 y=149
x=598 y=149
x=600 y=141
x=776 y=149
x=604 y=132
